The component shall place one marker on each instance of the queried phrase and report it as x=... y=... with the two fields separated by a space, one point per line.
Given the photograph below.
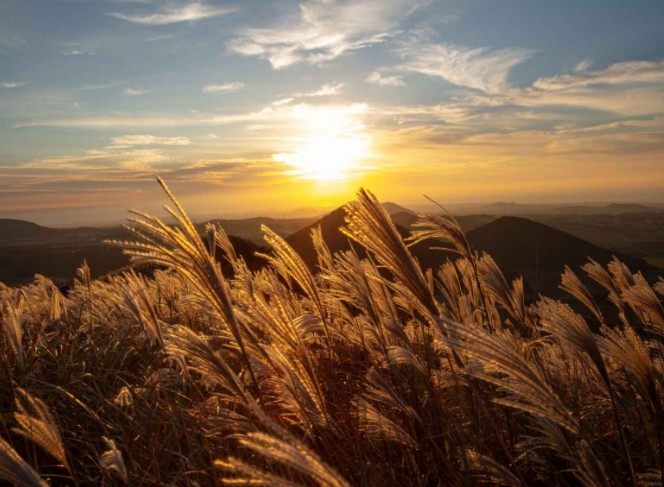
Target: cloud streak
x=189 y=12
x=479 y=68
x=139 y=140
x=223 y=88
x=626 y=88
x=323 y=31
x=376 y=78
x=133 y=92
x=8 y=85
x=329 y=89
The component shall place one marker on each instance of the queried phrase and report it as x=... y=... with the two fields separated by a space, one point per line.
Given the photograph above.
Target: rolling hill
x=520 y=247
x=21 y=229
x=539 y=252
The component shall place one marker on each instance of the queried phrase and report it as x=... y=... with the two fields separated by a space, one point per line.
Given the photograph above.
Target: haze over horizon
x=244 y=106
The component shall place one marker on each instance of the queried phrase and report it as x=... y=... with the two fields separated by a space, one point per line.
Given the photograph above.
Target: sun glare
x=332 y=146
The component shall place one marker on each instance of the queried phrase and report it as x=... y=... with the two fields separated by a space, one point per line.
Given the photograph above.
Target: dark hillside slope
x=520 y=247
x=336 y=241
x=525 y=244
x=330 y=226
x=21 y=229
x=250 y=228
x=467 y=222
x=539 y=252
x=393 y=208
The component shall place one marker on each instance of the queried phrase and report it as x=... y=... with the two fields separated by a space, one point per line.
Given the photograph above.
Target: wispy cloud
x=626 y=88
x=78 y=52
x=189 y=12
x=323 y=31
x=329 y=89
x=144 y=140
x=376 y=78
x=223 y=88
x=479 y=68
x=583 y=65
x=276 y=115
x=133 y=92
x=625 y=73
x=282 y=101
x=8 y=85
x=94 y=161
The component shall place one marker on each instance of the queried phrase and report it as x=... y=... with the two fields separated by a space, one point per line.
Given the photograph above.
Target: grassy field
x=373 y=372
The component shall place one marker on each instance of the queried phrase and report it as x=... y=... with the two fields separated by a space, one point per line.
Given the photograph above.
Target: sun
x=332 y=145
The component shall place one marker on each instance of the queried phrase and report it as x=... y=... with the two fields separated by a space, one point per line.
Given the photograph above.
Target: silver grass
x=291 y=266
x=629 y=350
x=487 y=470
x=527 y=387
x=450 y=284
x=371 y=226
x=376 y=426
x=442 y=227
x=325 y=257
x=559 y=320
x=57 y=304
x=590 y=470
x=643 y=300
x=379 y=391
x=240 y=269
x=400 y=356
x=562 y=322
x=195 y=351
x=622 y=277
x=291 y=453
x=245 y=474
x=15 y=470
x=549 y=436
x=573 y=285
x=113 y=461
x=13 y=331
x=142 y=307
x=492 y=278
x=37 y=424
x=659 y=286
x=299 y=389
x=182 y=249
x=602 y=277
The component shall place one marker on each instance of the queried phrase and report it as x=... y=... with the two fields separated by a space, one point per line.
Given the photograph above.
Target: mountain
x=330 y=226
x=336 y=241
x=539 y=252
x=621 y=208
x=467 y=222
x=27 y=249
x=250 y=228
x=520 y=246
x=393 y=208
x=404 y=218
x=21 y=229
x=526 y=244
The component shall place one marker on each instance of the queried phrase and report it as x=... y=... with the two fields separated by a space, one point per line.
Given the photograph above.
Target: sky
x=250 y=107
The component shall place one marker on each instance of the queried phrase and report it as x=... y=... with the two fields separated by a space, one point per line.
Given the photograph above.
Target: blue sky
x=466 y=100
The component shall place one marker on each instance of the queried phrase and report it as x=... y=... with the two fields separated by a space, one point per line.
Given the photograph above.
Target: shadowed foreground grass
x=372 y=372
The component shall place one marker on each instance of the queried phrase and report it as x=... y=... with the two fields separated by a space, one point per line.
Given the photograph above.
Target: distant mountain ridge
x=21 y=229
x=520 y=247
x=522 y=209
